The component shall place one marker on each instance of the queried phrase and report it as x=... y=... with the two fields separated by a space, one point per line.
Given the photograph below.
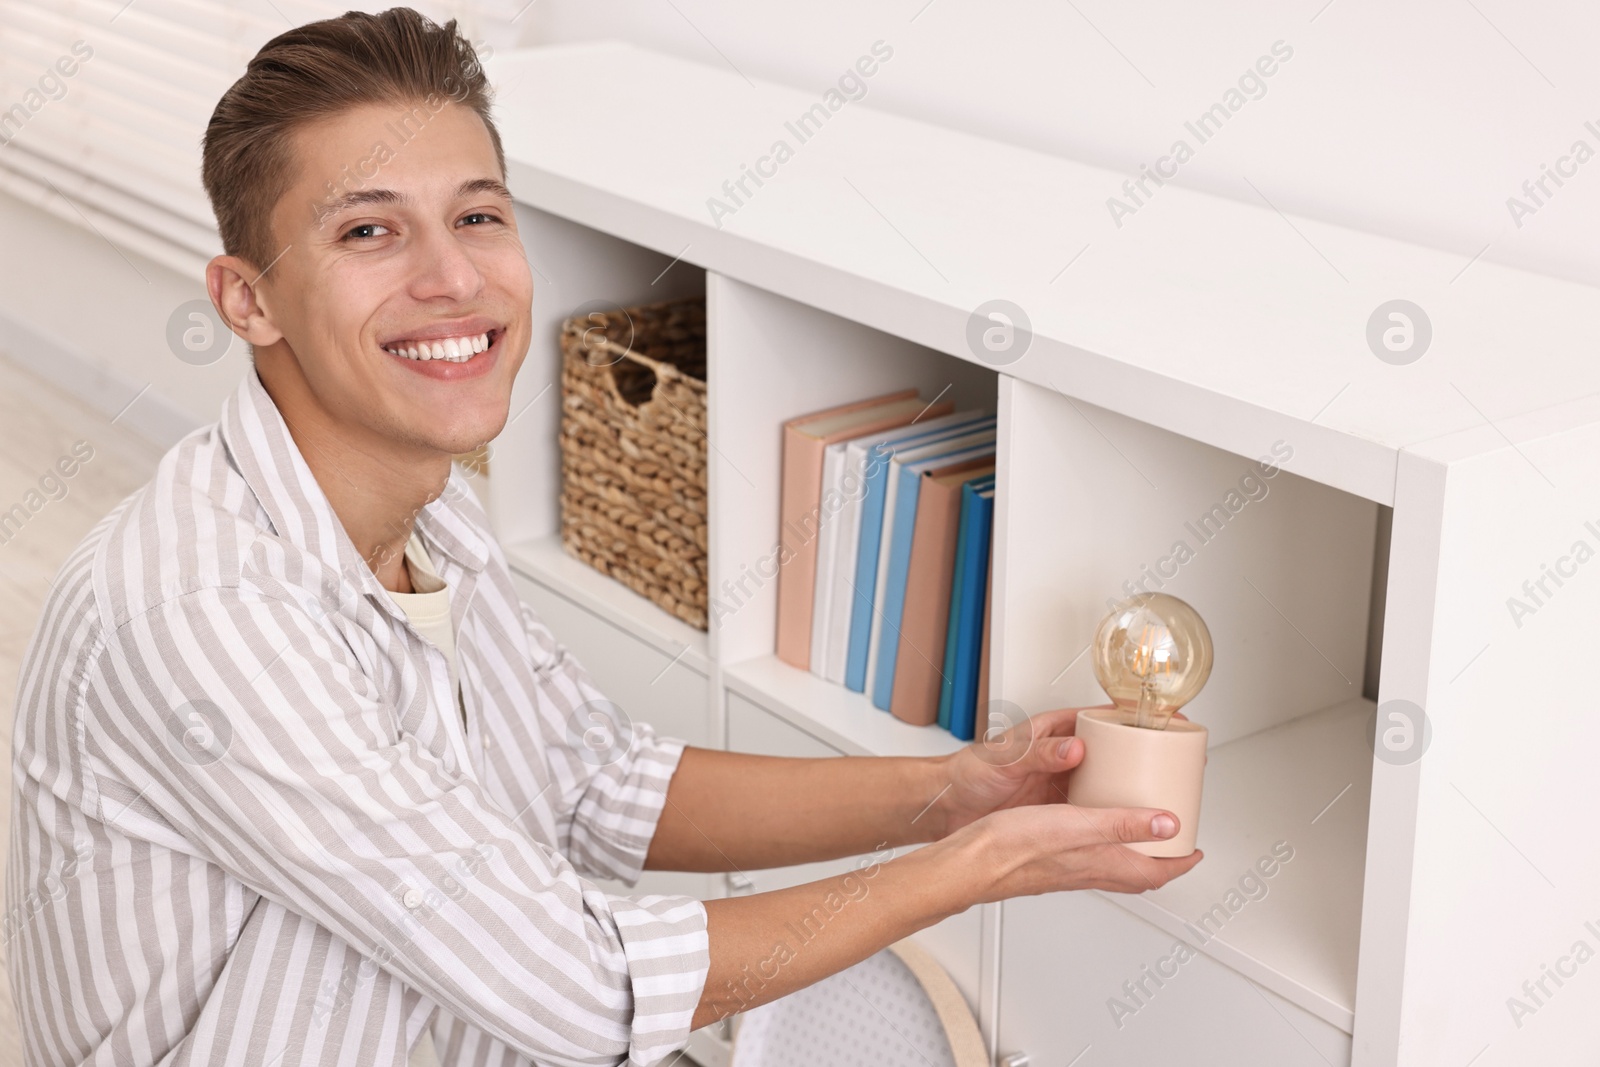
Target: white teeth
x=454 y=349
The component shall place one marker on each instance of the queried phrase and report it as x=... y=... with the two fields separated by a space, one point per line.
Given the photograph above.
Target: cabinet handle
x=1013 y=1059
x=740 y=885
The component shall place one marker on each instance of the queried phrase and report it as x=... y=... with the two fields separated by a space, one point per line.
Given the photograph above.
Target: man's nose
x=444 y=267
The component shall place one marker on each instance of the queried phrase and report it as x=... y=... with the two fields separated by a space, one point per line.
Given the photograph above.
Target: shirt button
x=412 y=899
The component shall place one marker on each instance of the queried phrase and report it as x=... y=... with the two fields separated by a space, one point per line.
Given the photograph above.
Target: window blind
x=103 y=104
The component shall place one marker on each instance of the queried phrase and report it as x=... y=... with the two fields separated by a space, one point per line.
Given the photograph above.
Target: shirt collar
x=257 y=438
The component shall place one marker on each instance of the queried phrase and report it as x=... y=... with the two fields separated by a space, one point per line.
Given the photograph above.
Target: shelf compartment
x=1094 y=506
x=1307 y=783
x=575 y=270
x=831 y=713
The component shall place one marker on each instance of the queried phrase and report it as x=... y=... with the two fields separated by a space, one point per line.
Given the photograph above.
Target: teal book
x=964 y=635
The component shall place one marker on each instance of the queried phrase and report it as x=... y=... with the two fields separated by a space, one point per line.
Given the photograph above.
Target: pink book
x=918 y=663
x=801 y=513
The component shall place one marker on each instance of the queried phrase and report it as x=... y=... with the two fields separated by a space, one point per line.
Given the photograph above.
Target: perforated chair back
x=897 y=1008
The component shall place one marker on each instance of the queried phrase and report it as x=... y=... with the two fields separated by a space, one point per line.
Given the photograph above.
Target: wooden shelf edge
x=543 y=560
x=831 y=713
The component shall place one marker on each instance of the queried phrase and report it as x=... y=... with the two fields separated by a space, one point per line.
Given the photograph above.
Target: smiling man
x=299 y=780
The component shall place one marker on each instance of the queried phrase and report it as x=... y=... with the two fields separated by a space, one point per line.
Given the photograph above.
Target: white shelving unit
x=1164 y=359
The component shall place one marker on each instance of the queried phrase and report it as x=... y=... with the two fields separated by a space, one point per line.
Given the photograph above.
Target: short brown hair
x=313 y=72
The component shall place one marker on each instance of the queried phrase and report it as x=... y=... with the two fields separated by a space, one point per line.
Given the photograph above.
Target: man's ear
x=230 y=281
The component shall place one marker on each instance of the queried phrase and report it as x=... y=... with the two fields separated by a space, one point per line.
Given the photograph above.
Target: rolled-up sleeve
x=612 y=772
x=234 y=724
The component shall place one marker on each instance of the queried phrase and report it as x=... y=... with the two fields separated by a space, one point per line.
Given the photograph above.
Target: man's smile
x=449 y=351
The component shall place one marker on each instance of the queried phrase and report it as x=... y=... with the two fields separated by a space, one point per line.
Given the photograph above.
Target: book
x=888 y=475
x=907 y=481
x=958 y=697
x=953 y=609
x=917 y=674
x=843 y=474
x=980 y=709
x=833 y=458
x=870 y=455
x=801 y=505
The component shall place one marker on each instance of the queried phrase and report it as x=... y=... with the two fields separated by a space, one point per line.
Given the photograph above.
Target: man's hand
x=1051 y=848
x=1024 y=764
x=1042 y=848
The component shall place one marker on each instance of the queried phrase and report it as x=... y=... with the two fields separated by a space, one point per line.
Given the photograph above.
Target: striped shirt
x=249 y=826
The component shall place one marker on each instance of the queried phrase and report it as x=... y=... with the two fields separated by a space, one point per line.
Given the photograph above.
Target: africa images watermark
x=1208 y=525
x=1537 y=592
x=1251 y=85
x=51 y=85
x=1252 y=887
x=746 y=988
x=1536 y=192
x=404 y=129
x=796 y=533
x=52 y=486
x=334 y=994
x=851 y=85
x=1536 y=992
x=53 y=887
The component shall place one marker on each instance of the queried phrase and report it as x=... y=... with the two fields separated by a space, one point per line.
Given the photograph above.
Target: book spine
x=799 y=513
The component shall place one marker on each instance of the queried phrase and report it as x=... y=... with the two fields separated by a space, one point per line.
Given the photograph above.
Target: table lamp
x=1152 y=655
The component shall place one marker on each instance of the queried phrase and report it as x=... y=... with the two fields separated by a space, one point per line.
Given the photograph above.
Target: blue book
x=904 y=521
x=952 y=626
x=869 y=548
x=958 y=694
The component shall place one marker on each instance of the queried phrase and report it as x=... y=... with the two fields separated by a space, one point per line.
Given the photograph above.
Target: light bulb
x=1152 y=655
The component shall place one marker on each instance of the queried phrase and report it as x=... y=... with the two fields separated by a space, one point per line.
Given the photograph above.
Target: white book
x=898 y=460
x=836 y=633
x=828 y=524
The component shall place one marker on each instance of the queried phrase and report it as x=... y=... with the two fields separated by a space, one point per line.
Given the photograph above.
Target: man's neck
x=376 y=487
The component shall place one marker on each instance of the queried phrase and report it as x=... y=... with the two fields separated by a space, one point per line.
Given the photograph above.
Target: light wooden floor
x=38 y=425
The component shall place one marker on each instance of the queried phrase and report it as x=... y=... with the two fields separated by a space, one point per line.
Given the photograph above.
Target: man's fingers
x=1048 y=729
x=1122 y=826
x=1053 y=755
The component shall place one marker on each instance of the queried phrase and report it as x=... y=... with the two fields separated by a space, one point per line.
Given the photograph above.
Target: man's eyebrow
x=359 y=198
x=483 y=185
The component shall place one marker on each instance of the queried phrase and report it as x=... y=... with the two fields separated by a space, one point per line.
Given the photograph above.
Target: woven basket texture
x=633 y=450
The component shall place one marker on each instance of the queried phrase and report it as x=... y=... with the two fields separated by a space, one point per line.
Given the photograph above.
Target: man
x=301 y=780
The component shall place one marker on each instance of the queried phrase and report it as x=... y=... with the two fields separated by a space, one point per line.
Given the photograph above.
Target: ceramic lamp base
x=1126 y=766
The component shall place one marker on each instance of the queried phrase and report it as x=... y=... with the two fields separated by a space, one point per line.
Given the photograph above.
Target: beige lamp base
x=1126 y=766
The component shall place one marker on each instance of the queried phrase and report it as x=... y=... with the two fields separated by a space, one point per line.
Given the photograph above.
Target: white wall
x=1414 y=118
x=93 y=319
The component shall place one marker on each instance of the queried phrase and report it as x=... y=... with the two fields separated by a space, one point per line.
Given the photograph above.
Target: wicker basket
x=633 y=450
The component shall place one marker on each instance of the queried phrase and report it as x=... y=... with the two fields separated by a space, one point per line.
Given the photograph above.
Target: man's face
x=412 y=252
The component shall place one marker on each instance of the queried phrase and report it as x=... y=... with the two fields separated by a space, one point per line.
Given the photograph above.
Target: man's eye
x=481 y=215
x=356 y=231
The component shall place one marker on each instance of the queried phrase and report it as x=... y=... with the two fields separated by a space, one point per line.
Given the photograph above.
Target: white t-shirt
x=428 y=608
